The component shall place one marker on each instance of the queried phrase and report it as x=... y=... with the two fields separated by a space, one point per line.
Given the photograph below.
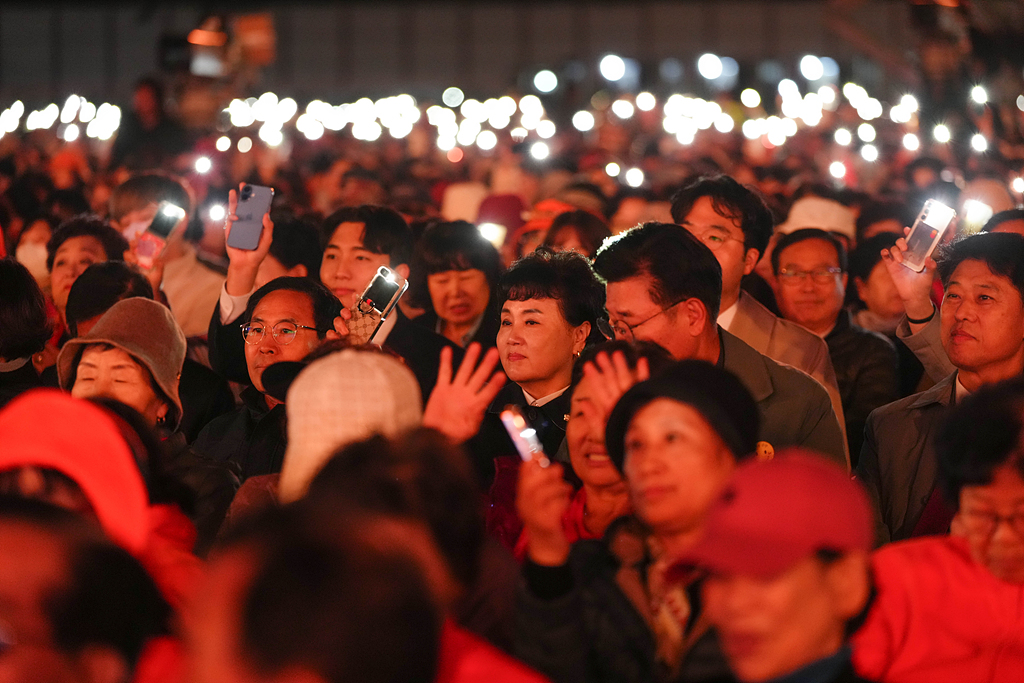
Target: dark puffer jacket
x=575 y=625
x=867 y=371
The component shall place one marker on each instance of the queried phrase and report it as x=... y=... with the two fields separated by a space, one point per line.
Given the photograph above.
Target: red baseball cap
x=775 y=513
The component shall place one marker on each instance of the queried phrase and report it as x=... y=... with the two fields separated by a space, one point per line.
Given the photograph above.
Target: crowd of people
x=765 y=447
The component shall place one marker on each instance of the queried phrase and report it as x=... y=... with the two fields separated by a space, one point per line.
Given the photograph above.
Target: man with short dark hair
x=285 y=320
x=358 y=241
x=664 y=285
x=736 y=224
x=810 y=273
x=981 y=327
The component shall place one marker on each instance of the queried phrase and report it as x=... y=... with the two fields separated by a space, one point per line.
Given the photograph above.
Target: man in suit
x=664 y=285
x=358 y=241
x=981 y=327
x=736 y=225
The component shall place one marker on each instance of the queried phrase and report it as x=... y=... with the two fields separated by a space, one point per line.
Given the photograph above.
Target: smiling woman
x=675 y=440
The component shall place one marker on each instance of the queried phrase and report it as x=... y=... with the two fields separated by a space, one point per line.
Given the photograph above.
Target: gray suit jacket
x=897 y=462
x=926 y=344
x=788 y=343
x=795 y=410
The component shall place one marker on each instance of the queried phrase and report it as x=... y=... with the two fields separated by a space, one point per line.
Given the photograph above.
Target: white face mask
x=32 y=255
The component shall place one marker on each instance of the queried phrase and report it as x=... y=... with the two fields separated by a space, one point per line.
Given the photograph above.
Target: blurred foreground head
x=786 y=551
x=74 y=607
x=981 y=472
x=317 y=596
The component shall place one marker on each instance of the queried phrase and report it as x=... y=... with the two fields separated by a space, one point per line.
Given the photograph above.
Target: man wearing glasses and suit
x=664 y=285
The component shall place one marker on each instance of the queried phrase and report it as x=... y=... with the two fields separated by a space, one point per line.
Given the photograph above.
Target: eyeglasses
x=822 y=276
x=986 y=523
x=621 y=330
x=283 y=332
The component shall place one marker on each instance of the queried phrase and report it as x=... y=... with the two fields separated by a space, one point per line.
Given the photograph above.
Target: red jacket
x=940 y=617
x=168 y=555
x=464 y=658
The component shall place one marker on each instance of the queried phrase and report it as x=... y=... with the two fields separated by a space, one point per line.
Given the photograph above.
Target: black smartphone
x=253 y=203
x=383 y=292
x=376 y=303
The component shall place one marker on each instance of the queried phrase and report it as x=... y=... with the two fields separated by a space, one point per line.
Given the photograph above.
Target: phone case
x=928 y=229
x=375 y=304
x=252 y=206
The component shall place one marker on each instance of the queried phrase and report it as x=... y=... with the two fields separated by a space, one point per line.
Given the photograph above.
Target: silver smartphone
x=253 y=203
x=926 y=233
x=523 y=435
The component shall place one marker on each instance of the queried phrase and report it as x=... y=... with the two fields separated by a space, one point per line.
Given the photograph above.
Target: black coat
x=204 y=396
x=25 y=378
x=486 y=335
x=492 y=441
x=210 y=484
x=421 y=350
x=867 y=372
x=251 y=439
x=590 y=632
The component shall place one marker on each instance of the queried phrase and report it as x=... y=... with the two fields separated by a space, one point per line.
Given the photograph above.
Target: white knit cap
x=340 y=399
x=824 y=214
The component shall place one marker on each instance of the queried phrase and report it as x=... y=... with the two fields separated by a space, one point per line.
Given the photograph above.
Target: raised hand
x=242 y=263
x=457 y=405
x=611 y=377
x=914 y=288
x=542 y=497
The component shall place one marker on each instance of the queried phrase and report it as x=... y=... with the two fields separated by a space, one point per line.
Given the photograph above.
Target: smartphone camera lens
x=247 y=192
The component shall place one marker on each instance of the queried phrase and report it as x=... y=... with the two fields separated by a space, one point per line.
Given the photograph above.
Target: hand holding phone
x=926 y=233
x=375 y=305
x=152 y=241
x=542 y=498
x=253 y=203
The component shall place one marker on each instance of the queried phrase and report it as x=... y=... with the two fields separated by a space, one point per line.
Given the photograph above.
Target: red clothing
x=572 y=525
x=48 y=428
x=168 y=555
x=464 y=658
x=162 y=661
x=940 y=616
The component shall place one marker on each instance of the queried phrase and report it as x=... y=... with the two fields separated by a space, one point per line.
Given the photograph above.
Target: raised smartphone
x=523 y=435
x=926 y=233
x=376 y=303
x=153 y=239
x=253 y=203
